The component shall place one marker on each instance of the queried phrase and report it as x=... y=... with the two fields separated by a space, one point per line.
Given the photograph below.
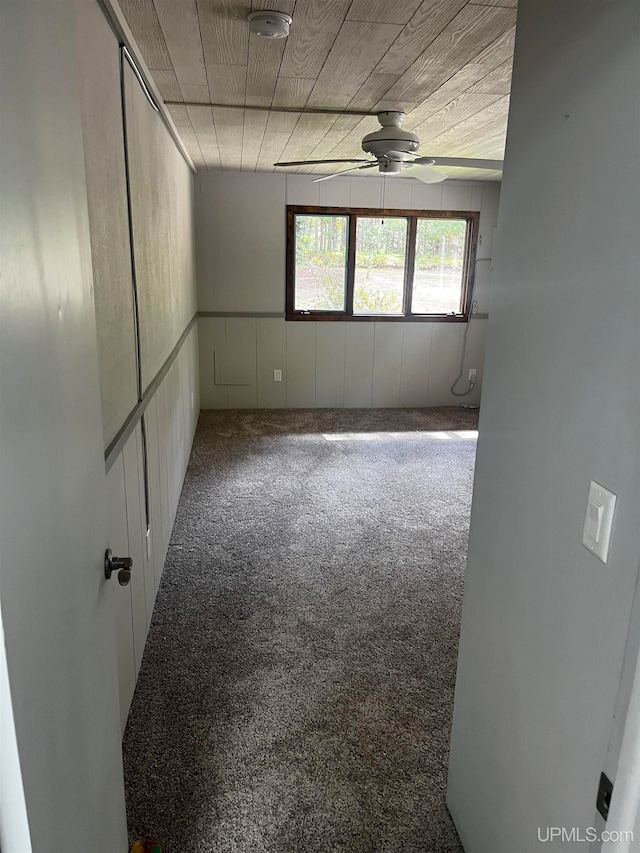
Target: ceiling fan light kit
x=272 y=25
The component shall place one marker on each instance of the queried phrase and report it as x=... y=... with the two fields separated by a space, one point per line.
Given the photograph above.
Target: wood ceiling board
x=292 y=91
x=229 y=127
x=491 y=57
x=372 y=90
x=309 y=130
x=271 y=150
x=459 y=110
x=227 y=83
x=143 y=21
x=181 y=29
x=265 y=56
x=167 y=84
x=351 y=144
x=253 y=133
x=470 y=138
x=431 y=17
x=342 y=128
x=489 y=144
x=472 y=30
x=202 y=122
x=225 y=32
x=356 y=51
x=383 y=11
x=313 y=32
x=490 y=147
x=497 y=82
x=182 y=121
x=278 y=131
x=282 y=122
x=286 y=6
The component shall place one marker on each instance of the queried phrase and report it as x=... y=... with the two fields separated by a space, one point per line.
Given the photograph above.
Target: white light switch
x=598 y=521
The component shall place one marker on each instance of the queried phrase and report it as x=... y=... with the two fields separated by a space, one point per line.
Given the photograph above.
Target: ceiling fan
x=395 y=151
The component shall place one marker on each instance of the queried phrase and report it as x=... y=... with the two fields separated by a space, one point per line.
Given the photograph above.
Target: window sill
x=320 y=316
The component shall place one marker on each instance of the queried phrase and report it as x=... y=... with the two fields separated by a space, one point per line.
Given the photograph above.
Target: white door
x=56 y=603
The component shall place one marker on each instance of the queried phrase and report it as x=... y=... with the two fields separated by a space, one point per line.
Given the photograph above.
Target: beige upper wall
x=163 y=230
x=241 y=246
x=162 y=221
x=240 y=225
x=241 y=228
x=101 y=102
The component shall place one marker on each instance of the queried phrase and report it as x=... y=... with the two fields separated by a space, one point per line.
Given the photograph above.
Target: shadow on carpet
x=296 y=690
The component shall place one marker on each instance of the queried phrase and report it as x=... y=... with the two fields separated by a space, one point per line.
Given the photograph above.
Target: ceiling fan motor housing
x=391 y=138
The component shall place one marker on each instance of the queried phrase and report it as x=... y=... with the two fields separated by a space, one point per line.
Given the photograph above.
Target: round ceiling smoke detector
x=271 y=25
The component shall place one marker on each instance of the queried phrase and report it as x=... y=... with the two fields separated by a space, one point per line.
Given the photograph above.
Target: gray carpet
x=297 y=684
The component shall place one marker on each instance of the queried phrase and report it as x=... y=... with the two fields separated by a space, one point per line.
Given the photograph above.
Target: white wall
x=241 y=246
x=545 y=623
x=58 y=625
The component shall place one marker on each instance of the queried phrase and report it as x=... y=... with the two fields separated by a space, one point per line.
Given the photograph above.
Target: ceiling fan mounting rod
x=301 y=110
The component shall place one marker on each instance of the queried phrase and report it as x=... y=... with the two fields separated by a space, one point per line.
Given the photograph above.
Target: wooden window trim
x=472 y=218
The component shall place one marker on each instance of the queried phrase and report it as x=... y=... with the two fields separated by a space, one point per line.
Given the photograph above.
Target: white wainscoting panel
x=170 y=419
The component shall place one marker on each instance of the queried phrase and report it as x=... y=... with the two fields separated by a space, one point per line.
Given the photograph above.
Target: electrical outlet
x=474 y=307
x=277 y=376
x=472 y=376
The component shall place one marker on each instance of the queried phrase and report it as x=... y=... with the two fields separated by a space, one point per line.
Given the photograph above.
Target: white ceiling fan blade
x=342 y=172
x=424 y=173
x=319 y=162
x=462 y=162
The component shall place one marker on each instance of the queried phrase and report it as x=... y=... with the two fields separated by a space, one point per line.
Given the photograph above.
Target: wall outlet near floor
x=277 y=376
x=474 y=307
x=472 y=376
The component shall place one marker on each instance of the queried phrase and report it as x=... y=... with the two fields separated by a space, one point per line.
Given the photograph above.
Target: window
x=365 y=264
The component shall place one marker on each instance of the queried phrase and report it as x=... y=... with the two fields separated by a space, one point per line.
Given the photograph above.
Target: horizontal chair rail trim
x=278 y=314
x=378 y=318
x=115 y=447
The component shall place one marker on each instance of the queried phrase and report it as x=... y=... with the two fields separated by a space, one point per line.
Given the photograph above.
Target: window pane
x=380 y=257
x=437 y=280
x=321 y=263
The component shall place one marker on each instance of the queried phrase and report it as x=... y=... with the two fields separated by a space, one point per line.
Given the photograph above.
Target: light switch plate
x=598 y=521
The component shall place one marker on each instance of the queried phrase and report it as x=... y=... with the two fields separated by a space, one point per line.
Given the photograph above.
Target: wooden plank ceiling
x=446 y=63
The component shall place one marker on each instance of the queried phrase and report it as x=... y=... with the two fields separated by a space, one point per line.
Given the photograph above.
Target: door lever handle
x=121 y=565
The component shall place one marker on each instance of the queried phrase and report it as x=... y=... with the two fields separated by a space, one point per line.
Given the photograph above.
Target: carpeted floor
x=297 y=684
